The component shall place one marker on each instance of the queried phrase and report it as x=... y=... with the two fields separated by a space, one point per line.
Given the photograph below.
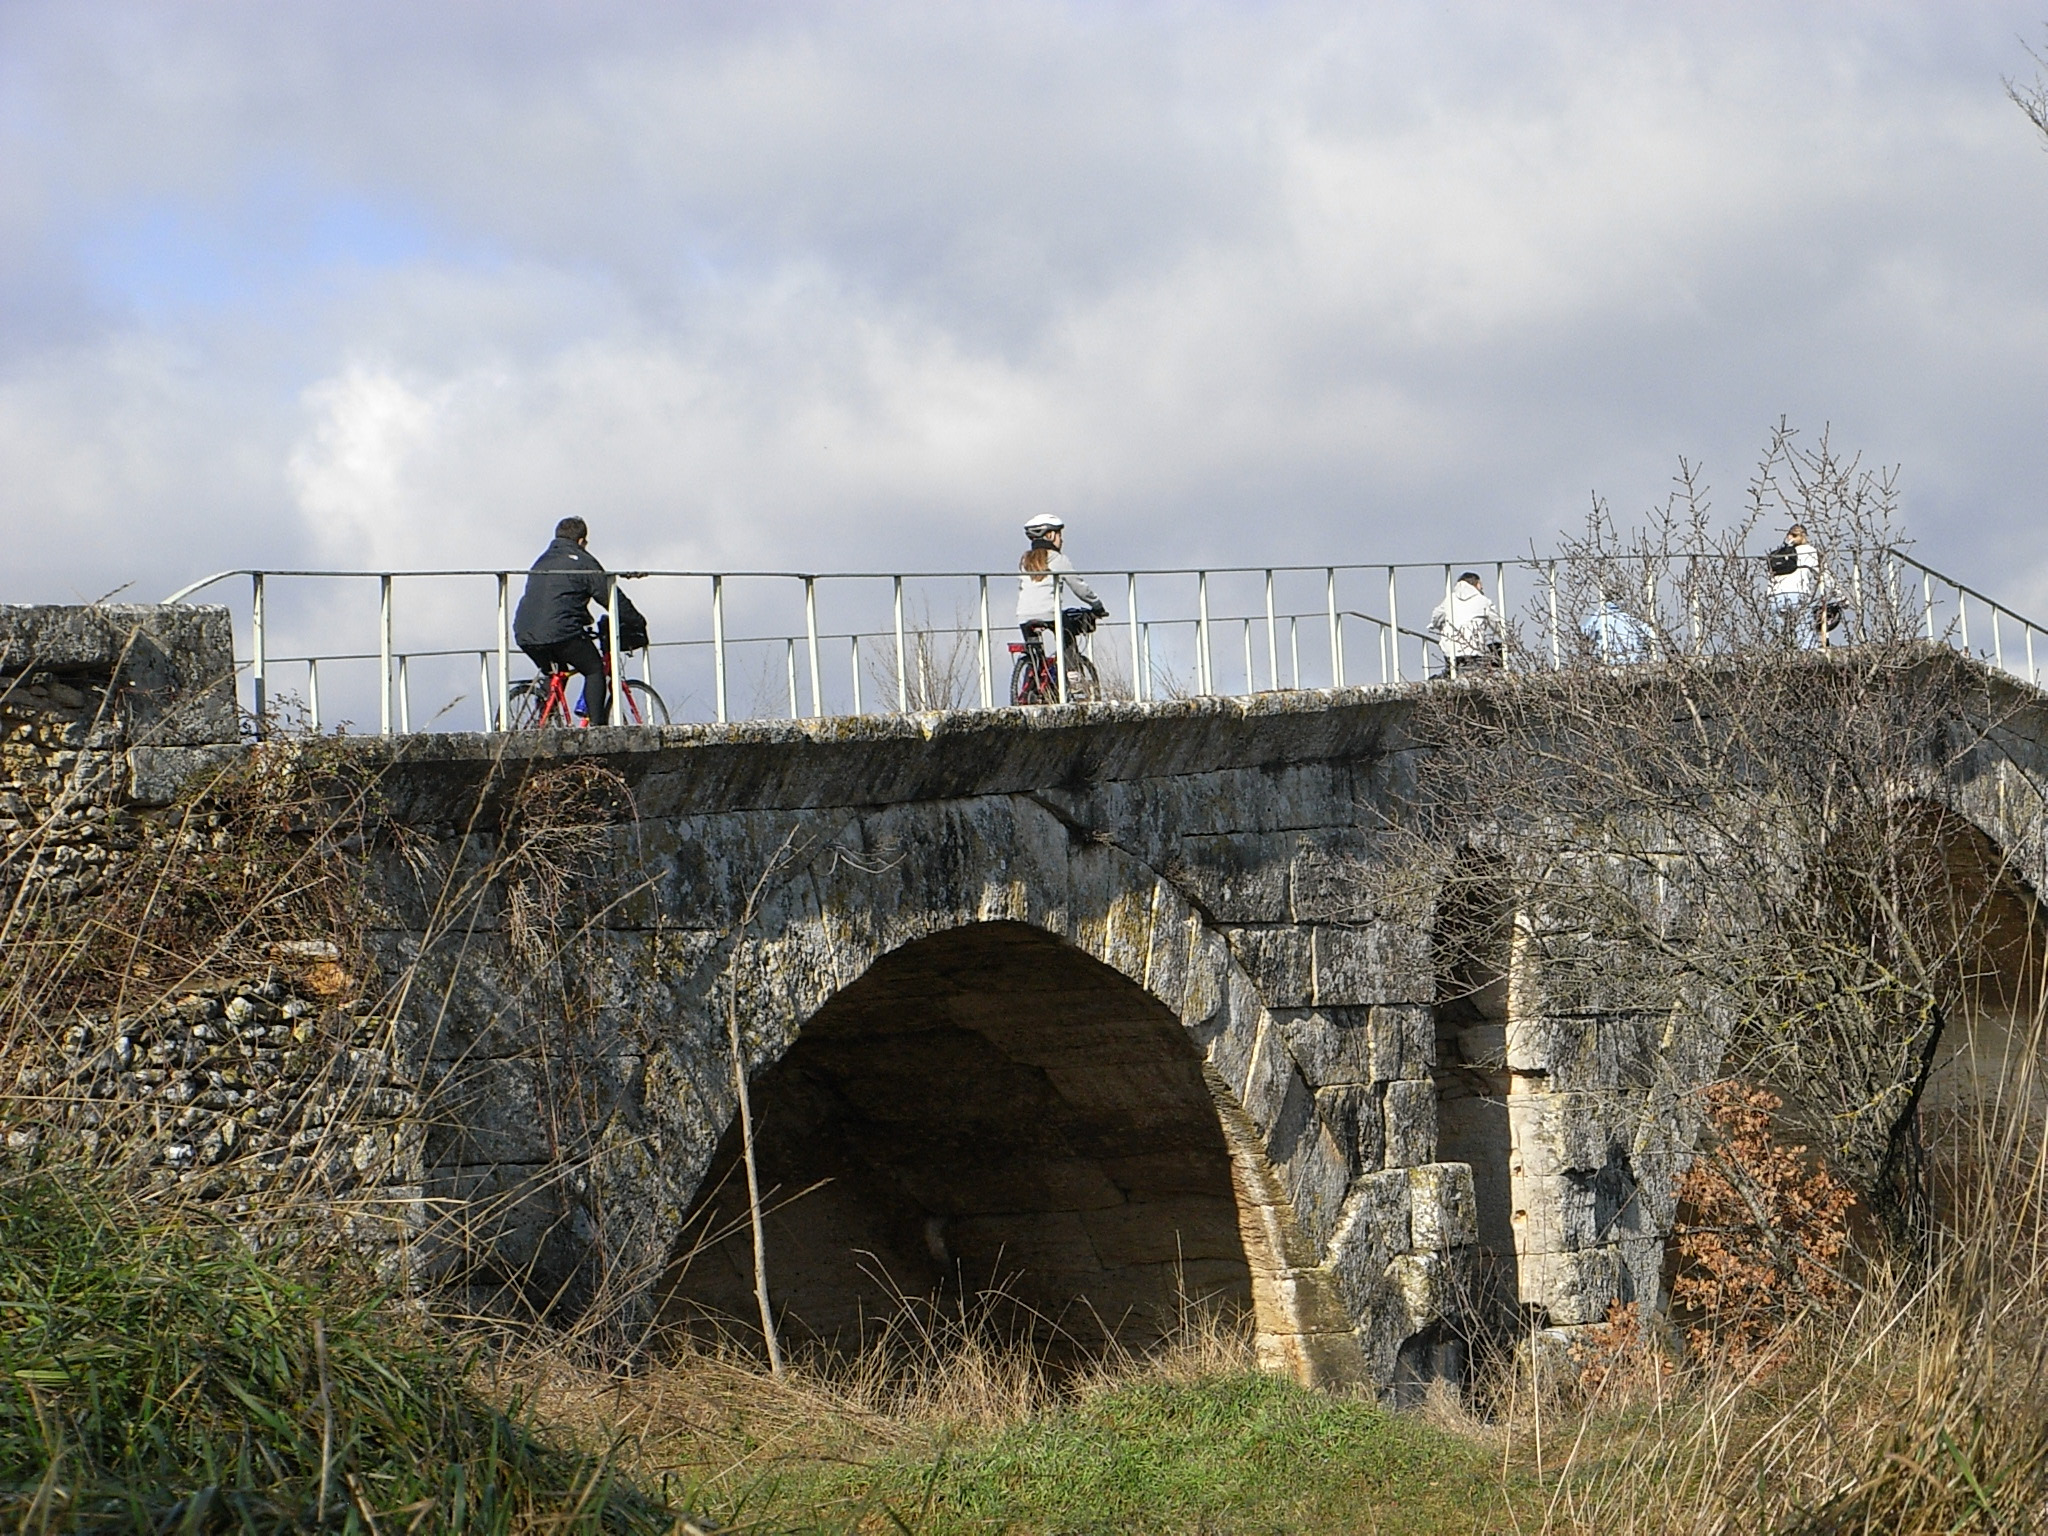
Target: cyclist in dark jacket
x=552 y=624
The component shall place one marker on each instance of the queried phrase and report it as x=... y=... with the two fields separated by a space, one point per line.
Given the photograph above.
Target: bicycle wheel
x=1025 y=684
x=524 y=704
x=1084 y=683
x=643 y=704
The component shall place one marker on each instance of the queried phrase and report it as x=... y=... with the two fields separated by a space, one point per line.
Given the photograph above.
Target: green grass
x=155 y=1375
x=1249 y=1455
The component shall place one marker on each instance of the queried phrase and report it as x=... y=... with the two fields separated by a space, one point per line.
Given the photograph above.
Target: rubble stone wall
x=242 y=1089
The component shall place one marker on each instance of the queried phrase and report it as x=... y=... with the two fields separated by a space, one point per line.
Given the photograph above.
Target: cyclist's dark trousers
x=579 y=655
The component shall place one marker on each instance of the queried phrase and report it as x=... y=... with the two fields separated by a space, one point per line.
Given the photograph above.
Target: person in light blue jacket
x=1619 y=638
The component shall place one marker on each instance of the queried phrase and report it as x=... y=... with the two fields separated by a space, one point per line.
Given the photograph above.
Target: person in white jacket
x=1467 y=627
x=1039 y=565
x=1795 y=572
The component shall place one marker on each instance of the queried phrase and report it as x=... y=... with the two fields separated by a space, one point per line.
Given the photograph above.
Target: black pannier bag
x=632 y=626
x=1783 y=560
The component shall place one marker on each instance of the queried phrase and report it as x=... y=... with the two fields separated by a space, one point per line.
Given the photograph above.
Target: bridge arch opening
x=1474 y=946
x=1994 y=1044
x=989 y=1116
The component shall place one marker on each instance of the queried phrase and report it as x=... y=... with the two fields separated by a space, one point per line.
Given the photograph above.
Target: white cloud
x=813 y=286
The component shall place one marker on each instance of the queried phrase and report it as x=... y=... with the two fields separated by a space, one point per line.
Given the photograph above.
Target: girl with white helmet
x=1041 y=562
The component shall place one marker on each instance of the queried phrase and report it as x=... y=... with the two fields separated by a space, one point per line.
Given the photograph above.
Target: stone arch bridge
x=1091 y=1006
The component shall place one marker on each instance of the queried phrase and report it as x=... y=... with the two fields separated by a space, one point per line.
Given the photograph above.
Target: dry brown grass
x=1915 y=1401
x=717 y=1421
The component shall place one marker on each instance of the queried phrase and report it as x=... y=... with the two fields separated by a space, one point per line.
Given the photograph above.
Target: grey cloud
x=1222 y=282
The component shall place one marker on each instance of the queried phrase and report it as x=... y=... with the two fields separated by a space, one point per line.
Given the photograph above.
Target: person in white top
x=1467 y=627
x=1041 y=562
x=1795 y=587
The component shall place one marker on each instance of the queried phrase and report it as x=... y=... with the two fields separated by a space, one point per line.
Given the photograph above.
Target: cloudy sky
x=393 y=283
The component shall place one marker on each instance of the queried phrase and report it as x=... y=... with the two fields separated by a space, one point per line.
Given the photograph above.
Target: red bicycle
x=1035 y=678
x=545 y=702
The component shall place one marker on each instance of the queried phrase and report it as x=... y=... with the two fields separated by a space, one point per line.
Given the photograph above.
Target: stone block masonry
x=1026 y=1001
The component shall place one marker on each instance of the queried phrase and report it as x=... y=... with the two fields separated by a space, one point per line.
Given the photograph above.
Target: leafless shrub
x=1757 y=838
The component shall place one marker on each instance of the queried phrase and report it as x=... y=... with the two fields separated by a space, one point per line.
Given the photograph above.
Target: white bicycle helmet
x=1044 y=522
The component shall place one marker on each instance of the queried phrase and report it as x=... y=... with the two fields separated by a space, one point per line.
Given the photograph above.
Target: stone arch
x=1992 y=1050
x=986 y=1111
x=856 y=899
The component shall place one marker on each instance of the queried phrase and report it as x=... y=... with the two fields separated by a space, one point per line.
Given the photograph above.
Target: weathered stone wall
x=255 y=1091
x=102 y=710
x=1212 y=854
x=260 y=1096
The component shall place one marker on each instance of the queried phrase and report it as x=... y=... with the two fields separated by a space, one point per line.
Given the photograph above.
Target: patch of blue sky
x=169 y=257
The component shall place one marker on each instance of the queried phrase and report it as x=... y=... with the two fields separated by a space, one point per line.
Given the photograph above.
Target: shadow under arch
x=1991 y=1051
x=988 y=1109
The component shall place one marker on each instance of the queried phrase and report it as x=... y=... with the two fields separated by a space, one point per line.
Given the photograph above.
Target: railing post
x=256 y=679
x=1272 y=638
x=902 y=666
x=1500 y=601
x=504 y=649
x=615 y=704
x=1202 y=680
x=790 y=646
x=1059 y=640
x=1251 y=681
x=853 y=653
x=1394 y=620
x=1294 y=651
x=404 y=697
x=1997 y=644
x=483 y=685
x=811 y=635
x=2032 y=676
x=313 y=692
x=1330 y=595
x=1450 y=661
x=1927 y=598
x=718 y=643
x=988 y=681
x=384 y=655
x=1650 y=609
x=1138 y=678
x=1556 y=640
x=1963 y=617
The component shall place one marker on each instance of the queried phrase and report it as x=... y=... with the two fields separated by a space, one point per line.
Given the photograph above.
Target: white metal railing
x=1180 y=632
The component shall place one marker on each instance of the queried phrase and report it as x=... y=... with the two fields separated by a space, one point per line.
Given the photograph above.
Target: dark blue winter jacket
x=563 y=583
